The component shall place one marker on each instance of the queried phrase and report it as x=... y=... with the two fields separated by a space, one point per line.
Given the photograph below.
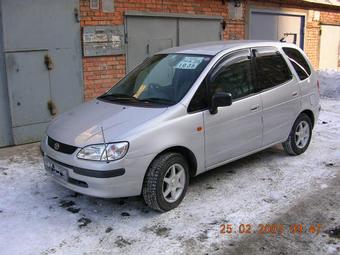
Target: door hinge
x=76 y=14
x=52 y=107
x=223 y=24
x=48 y=62
x=125 y=38
x=147 y=49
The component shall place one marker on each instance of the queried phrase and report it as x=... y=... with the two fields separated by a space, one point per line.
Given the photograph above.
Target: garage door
x=277 y=26
x=148 y=34
x=43 y=66
x=330 y=47
x=5 y=122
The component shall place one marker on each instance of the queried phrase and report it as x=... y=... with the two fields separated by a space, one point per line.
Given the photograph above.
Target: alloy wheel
x=173 y=183
x=302 y=134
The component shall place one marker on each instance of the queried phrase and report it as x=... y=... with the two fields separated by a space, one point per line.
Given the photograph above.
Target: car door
x=234 y=130
x=280 y=94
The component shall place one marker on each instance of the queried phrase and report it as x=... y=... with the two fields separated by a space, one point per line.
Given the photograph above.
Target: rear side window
x=271 y=68
x=299 y=62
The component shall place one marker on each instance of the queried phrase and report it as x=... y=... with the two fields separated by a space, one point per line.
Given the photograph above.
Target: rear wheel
x=300 y=136
x=166 y=182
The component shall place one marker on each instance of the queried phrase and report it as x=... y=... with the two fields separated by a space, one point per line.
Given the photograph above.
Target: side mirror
x=220 y=99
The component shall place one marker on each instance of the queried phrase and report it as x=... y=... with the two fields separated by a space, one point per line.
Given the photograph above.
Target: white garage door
x=329 y=47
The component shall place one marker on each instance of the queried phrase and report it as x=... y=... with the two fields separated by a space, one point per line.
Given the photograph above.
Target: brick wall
x=312 y=42
x=332 y=18
x=100 y=73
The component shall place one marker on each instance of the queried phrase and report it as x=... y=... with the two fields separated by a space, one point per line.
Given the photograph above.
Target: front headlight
x=98 y=152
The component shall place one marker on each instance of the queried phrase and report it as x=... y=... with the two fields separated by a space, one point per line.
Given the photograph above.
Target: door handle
x=295 y=93
x=254 y=108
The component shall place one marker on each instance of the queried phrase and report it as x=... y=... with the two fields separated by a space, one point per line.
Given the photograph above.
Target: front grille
x=61 y=147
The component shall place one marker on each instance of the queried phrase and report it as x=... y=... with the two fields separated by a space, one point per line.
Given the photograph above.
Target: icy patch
x=329 y=83
x=324 y=186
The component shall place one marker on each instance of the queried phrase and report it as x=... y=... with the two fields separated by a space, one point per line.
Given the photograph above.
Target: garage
x=273 y=25
x=151 y=33
x=5 y=132
x=42 y=53
x=43 y=67
x=330 y=47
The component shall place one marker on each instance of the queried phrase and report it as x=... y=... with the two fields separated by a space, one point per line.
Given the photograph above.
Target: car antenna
x=107 y=158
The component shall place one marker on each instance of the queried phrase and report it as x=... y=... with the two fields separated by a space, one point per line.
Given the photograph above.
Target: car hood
x=82 y=125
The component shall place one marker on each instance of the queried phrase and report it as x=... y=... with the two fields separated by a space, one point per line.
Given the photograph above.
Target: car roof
x=213 y=48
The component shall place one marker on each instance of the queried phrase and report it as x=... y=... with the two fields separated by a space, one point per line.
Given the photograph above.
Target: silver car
x=182 y=112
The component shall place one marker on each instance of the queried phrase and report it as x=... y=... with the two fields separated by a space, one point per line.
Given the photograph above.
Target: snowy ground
x=40 y=217
x=329 y=83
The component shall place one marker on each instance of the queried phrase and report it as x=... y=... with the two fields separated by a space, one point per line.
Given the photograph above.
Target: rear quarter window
x=299 y=63
x=271 y=68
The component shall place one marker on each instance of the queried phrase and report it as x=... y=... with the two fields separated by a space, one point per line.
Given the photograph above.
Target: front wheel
x=166 y=182
x=300 y=136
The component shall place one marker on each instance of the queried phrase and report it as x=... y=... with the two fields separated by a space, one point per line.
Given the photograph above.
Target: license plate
x=56 y=169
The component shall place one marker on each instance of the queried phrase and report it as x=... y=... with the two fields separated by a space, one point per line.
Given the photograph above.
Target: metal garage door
x=5 y=126
x=277 y=26
x=330 y=47
x=43 y=63
x=198 y=30
x=29 y=92
x=151 y=33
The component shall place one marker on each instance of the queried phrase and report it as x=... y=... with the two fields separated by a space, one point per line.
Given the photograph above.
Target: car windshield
x=160 y=80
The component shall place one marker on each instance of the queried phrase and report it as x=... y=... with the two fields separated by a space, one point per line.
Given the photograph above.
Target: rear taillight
x=318 y=85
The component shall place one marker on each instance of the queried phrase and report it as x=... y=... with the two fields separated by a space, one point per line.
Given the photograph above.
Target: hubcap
x=173 y=183
x=302 y=134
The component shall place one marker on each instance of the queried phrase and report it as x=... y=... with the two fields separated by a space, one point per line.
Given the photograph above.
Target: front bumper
x=121 y=178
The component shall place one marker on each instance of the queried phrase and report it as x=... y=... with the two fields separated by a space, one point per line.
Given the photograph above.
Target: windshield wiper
x=153 y=100
x=157 y=100
x=112 y=97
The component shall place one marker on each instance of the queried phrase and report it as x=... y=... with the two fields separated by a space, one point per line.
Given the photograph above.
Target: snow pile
x=329 y=83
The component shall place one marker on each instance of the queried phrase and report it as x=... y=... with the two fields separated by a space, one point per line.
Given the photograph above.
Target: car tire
x=167 y=171
x=300 y=136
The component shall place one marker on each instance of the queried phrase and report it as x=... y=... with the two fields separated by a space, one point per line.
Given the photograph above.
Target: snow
x=329 y=83
x=36 y=217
